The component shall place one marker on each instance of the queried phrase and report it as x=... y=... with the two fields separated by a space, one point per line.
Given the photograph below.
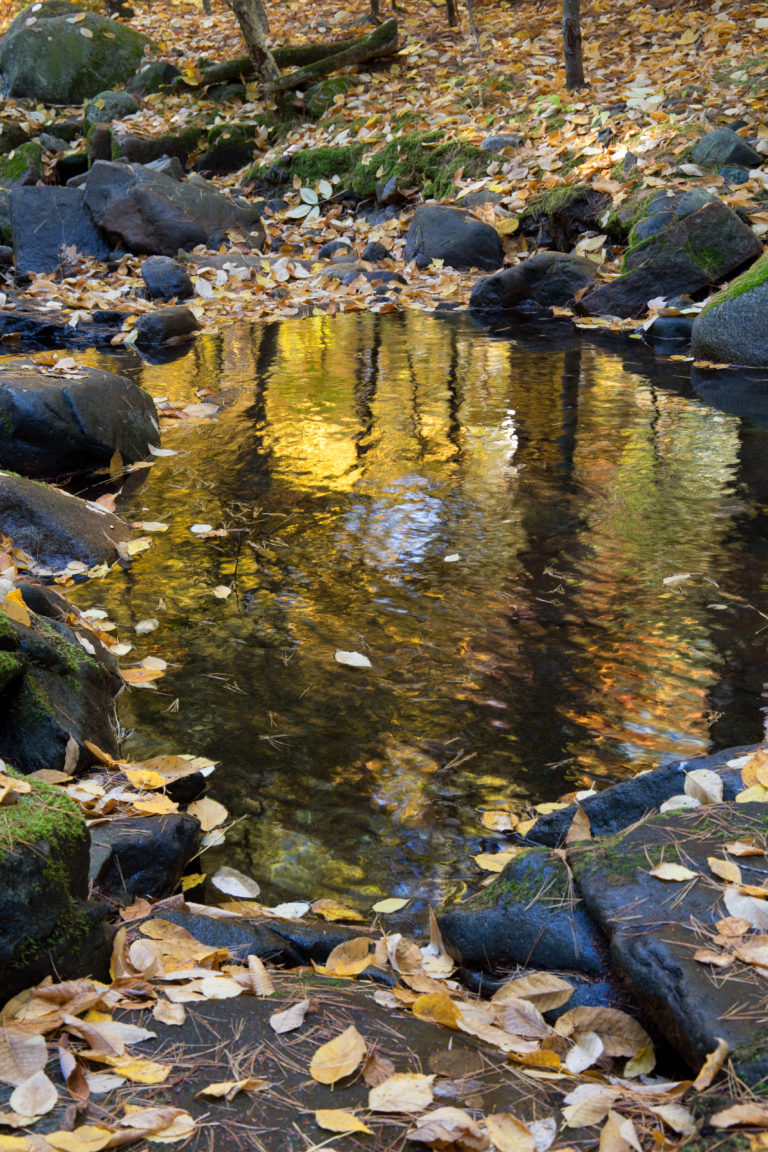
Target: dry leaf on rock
x=672 y=872
x=21 y=1056
x=168 y=1013
x=377 y=1069
x=621 y=1034
x=437 y=1008
x=86 y=1138
x=289 y=1018
x=712 y=1065
x=677 y=1117
x=541 y=989
x=509 y=1134
x=74 y=1076
x=260 y=980
x=704 y=785
x=338 y=1058
x=725 y=869
x=35 y=1096
x=405 y=1092
x=755 y=770
x=337 y=1120
x=349 y=958
x=743 y=848
x=588 y=1104
x=747 y=908
x=448 y=1127
x=521 y=1018
x=748 y=1115
x=580 y=828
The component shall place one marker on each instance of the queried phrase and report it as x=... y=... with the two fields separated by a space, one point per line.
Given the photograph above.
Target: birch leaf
x=338 y=1058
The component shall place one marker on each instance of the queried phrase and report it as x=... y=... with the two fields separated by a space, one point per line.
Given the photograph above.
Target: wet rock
x=480 y=198
x=740 y=391
x=500 y=141
x=11 y=136
x=375 y=252
x=45 y=221
x=44 y=55
x=136 y=148
x=46 y=929
x=654 y=930
x=667 y=330
x=733 y=327
x=142 y=858
x=652 y=225
x=546 y=280
x=165 y=326
x=723 y=146
x=56 y=528
x=32 y=329
x=734 y=175
x=461 y=240
x=527 y=916
x=61 y=697
x=108 y=106
x=694 y=253
x=341 y=248
x=166 y=278
x=150 y=213
x=623 y=804
x=53 y=424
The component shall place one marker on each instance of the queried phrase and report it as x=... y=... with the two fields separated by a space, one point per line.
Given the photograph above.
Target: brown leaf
x=338 y=1058
x=376 y=1069
x=539 y=988
x=21 y=1056
x=750 y=1115
x=712 y=1065
x=509 y=1134
x=621 y=1034
x=580 y=828
x=448 y=1127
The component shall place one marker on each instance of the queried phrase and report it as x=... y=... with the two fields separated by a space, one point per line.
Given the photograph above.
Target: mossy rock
x=15 y=165
x=48 y=55
x=733 y=326
x=558 y=217
x=321 y=97
x=45 y=924
x=420 y=162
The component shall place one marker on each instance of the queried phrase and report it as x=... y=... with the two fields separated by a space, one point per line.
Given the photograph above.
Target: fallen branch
x=291 y=56
x=381 y=42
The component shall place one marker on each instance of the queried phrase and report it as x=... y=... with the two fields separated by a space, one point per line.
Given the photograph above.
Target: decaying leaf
x=21 y=1056
x=404 y=1092
x=541 y=989
x=712 y=1065
x=509 y=1134
x=338 y=1058
x=747 y=1115
x=447 y=1127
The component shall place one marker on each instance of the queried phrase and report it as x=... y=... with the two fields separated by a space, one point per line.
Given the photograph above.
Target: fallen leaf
x=587 y=1049
x=619 y=1135
x=35 y=1096
x=86 y=1138
x=210 y=814
x=580 y=827
x=712 y=1065
x=289 y=1018
x=509 y=1134
x=349 y=958
x=337 y=1120
x=21 y=1055
x=675 y=873
x=621 y=1034
x=748 y=1115
x=437 y=1008
x=747 y=908
x=167 y=1013
x=228 y=1089
x=704 y=785
x=725 y=870
x=408 y=1092
x=338 y=1058
x=541 y=989
x=677 y=1117
x=390 y=904
x=447 y=1127
x=351 y=659
x=234 y=883
x=261 y=981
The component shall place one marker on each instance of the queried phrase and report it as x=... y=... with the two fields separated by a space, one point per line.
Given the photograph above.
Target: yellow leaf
x=755 y=771
x=438 y=1008
x=725 y=869
x=142 y=1071
x=349 y=958
x=139 y=676
x=580 y=828
x=690 y=36
x=756 y=794
x=192 y=880
x=541 y=989
x=333 y=910
x=339 y=1057
x=499 y=820
x=144 y=778
x=496 y=861
x=642 y=1063
x=508 y=227
x=391 y=904
x=403 y=1092
x=230 y=1088
x=712 y=1065
x=209 y=812
x=743 y=848
x=87 y=1138
x=337 y=1120
x=744 y=1115
x=156 y=805
x=672 y=872
x=15 y=608
x=508 y=1133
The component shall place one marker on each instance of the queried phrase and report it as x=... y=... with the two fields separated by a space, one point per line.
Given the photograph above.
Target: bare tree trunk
x=381 y=42
x=251 y=18
x=574 y=64
x=450 y=8
x=375 y=13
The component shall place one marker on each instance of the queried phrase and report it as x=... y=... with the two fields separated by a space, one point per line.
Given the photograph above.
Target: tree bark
x=574 y=64
x=250 y=16
x=450 y=9
x=381 y=42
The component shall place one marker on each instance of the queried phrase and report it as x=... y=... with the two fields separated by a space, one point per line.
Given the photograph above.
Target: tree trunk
x=250 y=16
x=375 y=14
x=574 y=64
x=450 y=8
x=381 y=42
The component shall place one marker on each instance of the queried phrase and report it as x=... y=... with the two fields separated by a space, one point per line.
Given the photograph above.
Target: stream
x=488 y=519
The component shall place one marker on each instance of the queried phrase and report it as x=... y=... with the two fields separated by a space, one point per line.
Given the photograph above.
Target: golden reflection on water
x=490 y=523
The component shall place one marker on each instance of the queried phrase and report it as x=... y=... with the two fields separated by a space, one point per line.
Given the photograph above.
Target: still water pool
x=490 y=520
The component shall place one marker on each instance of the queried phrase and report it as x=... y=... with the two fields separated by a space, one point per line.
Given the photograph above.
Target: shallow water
x=490 y=520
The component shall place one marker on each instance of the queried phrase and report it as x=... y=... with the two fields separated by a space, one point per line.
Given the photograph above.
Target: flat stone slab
x=656 y=926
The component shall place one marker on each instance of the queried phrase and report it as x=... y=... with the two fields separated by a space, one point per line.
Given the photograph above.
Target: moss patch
x=14 y=165
x=754 y=277
x=420 y=162
x=46 y=814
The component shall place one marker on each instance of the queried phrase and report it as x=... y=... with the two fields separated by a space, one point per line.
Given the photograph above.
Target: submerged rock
x=545 y=280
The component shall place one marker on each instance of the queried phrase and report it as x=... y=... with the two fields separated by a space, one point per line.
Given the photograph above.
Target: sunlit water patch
x=490 y=521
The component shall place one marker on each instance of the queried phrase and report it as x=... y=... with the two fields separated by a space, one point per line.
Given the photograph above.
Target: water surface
x=490 y=520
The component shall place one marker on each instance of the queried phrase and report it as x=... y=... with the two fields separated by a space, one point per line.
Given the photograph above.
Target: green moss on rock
x=44 y=815
x=15 y=164
x=754 y=277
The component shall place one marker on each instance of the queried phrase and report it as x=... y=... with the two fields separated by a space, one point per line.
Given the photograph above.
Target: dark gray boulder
x=461 y=240
x=149 y=213
x=45 y=221
x=694 y=253
x=62 y=695
x=629 y=801
x=373 y=252
x=500 y=141
x=58 y=53
x=143 y=857
x=545 y=280
x=32 y=328
x=56 y=423
x=138 y=148
x=557 y=218
x=46 y=927
x=723 y=146
x=655 y=928
x=152 y=76
x=108 y=106
x=165 y=326
x=166 y=278
x=733 y=327
x=528 y=915
x=56 y=528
